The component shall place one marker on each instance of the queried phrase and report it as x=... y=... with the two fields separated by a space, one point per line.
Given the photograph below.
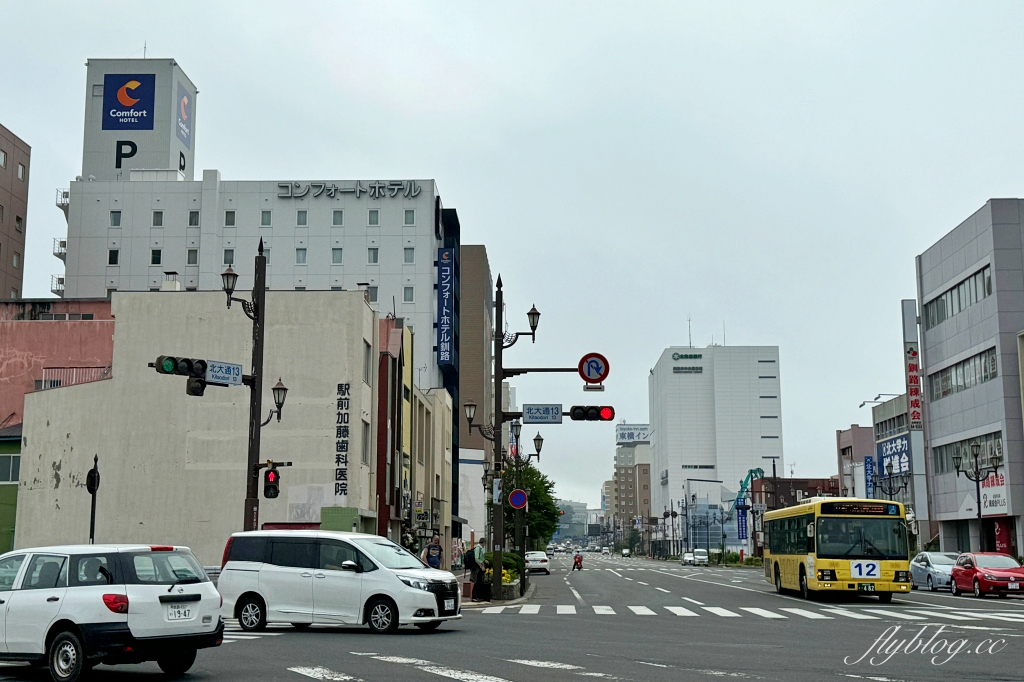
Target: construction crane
x=752 y=476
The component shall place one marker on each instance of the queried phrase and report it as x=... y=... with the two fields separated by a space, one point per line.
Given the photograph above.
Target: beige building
x=172 y=465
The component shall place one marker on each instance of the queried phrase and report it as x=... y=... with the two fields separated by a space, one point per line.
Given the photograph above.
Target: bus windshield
x=861 y=538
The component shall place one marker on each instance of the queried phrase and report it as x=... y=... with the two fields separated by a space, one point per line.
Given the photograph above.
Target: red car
x=982 y=573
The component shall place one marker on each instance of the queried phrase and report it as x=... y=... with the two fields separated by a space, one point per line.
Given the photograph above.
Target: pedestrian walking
x=433 y=553
x=478 y=560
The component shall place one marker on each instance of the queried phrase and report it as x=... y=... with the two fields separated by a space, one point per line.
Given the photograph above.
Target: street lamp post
x=255 y=310
x=775 y=500
x=889 y=484
x=977 y=472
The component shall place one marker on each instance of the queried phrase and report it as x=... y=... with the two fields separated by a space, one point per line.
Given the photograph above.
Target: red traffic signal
x=271 y=483
x=592 y=413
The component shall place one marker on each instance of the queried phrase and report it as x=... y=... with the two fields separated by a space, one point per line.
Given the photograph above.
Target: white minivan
x=305 y=577
x=73 y=606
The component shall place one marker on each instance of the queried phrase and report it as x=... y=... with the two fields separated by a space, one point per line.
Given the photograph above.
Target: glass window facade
x=942 y=455
x=963 y=375
x=965 y=294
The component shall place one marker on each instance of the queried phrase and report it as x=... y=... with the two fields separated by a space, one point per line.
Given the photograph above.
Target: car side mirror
x=351 y=566
x=968 y=564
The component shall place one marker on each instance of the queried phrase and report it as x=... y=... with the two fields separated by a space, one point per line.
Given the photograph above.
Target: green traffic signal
x=168 y=365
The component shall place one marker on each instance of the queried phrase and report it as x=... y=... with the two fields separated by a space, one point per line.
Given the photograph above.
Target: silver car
x=932 y=569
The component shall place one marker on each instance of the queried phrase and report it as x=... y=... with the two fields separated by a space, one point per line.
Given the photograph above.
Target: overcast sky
x=771 y=166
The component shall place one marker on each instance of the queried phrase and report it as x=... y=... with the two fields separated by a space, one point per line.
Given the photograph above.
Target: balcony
x=64 y=201
x=57 y=285
x=60 y=248
x=55 y=377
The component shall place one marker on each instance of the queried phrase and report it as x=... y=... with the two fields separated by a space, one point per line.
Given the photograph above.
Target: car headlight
x=989 y=577
x=415 y=583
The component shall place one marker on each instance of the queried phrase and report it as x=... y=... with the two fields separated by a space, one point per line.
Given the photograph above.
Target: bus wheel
x=778 y=580
x=805 y=592
x=885 y=597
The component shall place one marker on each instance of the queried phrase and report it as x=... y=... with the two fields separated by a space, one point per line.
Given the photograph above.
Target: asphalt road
x=641 y=620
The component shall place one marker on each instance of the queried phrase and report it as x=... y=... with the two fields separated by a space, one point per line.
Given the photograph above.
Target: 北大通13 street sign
x=223 y=373
x=542 y=414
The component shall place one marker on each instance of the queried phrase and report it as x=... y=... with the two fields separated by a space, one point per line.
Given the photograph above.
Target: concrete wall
x=476 y=378
x=173 y=466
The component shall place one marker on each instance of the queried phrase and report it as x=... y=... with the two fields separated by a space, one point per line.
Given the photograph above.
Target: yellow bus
x=838 y=544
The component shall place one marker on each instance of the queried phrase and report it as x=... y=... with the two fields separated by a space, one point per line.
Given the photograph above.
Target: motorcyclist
x=577 y=562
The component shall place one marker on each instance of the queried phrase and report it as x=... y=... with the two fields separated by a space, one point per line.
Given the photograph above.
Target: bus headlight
x=902 y=577
x=826 y=574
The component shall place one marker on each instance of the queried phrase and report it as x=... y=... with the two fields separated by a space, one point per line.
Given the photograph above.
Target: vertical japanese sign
x=915 y=416
x=341 y=425
x=741 y=523
x=869 y=477
x=445 y=306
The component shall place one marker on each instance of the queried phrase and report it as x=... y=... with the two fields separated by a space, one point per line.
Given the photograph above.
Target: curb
x=474 y=606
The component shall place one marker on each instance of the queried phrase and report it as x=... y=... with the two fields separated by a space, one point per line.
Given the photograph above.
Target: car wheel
x=252 y=615
x=977 y=589
x=548 y=572
x=382 y=617
x=931 y=585
x=177 y=663
x=778 y=580
x=432 y=625
x=953 y=589
x=301 y=626
x=885 y=597
x=66 y=657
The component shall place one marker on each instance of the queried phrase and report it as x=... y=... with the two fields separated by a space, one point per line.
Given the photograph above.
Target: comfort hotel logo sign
x=128 y=101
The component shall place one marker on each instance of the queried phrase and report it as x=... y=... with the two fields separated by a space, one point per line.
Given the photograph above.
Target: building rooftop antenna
x=689 y=330
x=143 y=49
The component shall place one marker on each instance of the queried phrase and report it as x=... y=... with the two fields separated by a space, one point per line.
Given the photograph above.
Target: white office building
x=715 y=412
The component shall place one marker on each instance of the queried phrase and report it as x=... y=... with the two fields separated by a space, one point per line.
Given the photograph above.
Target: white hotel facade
x=715 y=412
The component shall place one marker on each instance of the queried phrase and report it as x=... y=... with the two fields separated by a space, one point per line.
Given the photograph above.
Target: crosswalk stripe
x=850 y=614
x=944 y=614
x=642 y=611
x=814 y=615
x=604 y=611
x=680 y=611
x=1006 y=617
x=319 y=673
x=719 y=611
x=494 y=609
x=894 y=614
x=530 y=609
x=764 y=613
x=565 y=609
x=693 y=601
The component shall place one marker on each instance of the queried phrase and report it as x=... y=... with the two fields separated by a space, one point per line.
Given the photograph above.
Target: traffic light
x=592 y=413
x=192 y=368
x=271 y=483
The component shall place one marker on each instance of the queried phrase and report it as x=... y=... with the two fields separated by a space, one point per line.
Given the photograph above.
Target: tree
x=542 y=517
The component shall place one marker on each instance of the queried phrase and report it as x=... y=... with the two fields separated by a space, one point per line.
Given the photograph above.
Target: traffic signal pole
x=258 y=308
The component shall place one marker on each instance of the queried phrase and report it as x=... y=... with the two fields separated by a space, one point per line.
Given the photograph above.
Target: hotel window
x=367 y=363
x=158 y=218
x=336 y=256
x=965 y=294
x=300 y=218
x=963 y=375
x=21 y=171
x=371 y=255
x=229 y=256
x=193 y=218
x=229 y=218
x=14 y=293
x=410 y=255
x=193 y=257
x=113 y=256
x=264 y=218
x=1 y=213
x=366 y=444
x=338 y=218
x=16 y=261
x=372 y=293
x=410 y=216
x=3 y=159
x=19 y=223
x=300 y=256
x=115 y=219
x=373 y=218
x=154 y=257
x=408 y=295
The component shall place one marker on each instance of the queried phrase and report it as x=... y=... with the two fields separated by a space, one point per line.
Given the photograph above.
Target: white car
x=700 y=557
x=687 y=559
x=71 y=607
x=306 y=577
x=537 y=561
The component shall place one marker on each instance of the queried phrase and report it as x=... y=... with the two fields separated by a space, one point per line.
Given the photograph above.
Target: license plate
x=865 y=587
x=449 y=604
x=179 y=612
x=1013 y=586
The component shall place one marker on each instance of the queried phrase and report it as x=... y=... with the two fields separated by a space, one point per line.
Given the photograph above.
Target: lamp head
x=957 y=460
x=280 y=392
x=538 y=442
x=888 y=468
x=228 y=280
x=470 y=408
x=975 y=449
x=534 y=317
x=517 y=428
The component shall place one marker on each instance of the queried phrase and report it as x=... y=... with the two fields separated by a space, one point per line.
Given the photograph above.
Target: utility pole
x=498 y=524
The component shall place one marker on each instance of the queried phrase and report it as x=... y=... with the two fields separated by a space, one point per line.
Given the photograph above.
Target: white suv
x=305 y=577
x=72 y=607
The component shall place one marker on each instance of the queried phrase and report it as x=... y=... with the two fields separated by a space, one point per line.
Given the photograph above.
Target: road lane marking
x=813 y=615
x=462 y=675
x=578 y=597
x=318 y=673
x=943 y=614
x=850 y=614
x=545 y=664
x=604 y=611
x=642 y=611
x=764 y=613
x=656 y=665
x=662 y=589
x=894 y=614
x=615 y=572
x=404 y=660
x=565 y=609
x=693 y=601
x=719 y=611
x=529 y=609
x=680 y=611
x=494 y=609
x=641 y=582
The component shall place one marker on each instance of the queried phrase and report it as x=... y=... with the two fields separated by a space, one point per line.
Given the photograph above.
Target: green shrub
x=509 y=561
x=731 y=558
x=753 y=561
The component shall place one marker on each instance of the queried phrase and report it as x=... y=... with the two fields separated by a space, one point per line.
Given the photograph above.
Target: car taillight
x=118 y=603
x=161 y=548
x=227 y=550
